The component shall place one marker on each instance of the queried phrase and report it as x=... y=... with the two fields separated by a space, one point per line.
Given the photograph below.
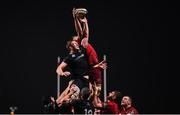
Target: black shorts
x=81 y=82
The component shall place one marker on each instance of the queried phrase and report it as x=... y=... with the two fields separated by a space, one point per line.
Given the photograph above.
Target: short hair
x=85 y=93
x=117 y=93
x=130 y=98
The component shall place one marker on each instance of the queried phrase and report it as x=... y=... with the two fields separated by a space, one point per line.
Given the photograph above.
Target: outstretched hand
x=66 y=73
x=97 y=89
x=102 y=65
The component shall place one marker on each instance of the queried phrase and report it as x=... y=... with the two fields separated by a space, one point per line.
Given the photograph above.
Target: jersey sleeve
x=134 y=111
x=67 y=59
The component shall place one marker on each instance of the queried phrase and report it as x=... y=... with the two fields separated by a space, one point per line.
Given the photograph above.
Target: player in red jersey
x=82 y=31
x=126 y=106
x=112 y=104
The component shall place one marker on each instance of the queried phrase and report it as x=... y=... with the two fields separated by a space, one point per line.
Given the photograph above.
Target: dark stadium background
x=133 y=34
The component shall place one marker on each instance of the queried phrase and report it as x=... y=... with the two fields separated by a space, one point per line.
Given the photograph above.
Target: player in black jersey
x=75 y=61
x=78 y=63
x=83 y=105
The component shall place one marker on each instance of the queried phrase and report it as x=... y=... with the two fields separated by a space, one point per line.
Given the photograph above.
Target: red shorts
x=95 y=73
x=95 y=76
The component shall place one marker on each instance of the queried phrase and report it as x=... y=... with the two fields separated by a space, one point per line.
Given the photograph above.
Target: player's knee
x=75 y=90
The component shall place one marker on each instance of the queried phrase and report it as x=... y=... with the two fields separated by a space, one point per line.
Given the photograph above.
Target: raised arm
x=102 y=65
x=85 y=38
x=81 y=26
x=97 y=102
x=77 y=24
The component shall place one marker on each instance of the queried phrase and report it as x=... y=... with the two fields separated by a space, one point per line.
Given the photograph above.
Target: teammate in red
x=127 y=107
x=83 y=32
x=112 y=104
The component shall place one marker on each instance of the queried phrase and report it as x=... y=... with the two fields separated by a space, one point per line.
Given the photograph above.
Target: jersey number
x=88 y=111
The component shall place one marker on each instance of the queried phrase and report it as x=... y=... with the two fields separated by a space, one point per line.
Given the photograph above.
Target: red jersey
x=95 y=73
x=130 y=110
x=91 y=53
x=112 y=108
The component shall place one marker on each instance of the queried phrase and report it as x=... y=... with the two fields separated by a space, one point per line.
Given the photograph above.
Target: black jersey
x=83 y=107
x=78 y=63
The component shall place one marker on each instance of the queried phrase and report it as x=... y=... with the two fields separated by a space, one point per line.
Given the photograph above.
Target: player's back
x=83 y=107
